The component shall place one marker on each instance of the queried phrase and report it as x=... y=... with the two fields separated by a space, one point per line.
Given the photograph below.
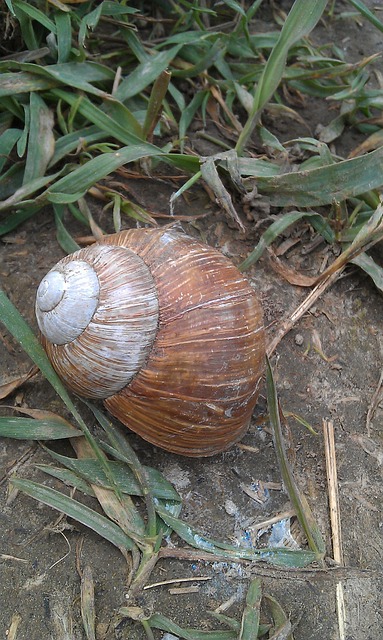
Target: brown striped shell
x=170 y=335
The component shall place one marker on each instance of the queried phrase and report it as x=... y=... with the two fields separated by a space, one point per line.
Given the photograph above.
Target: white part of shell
x=66 y=301
x=115 y=344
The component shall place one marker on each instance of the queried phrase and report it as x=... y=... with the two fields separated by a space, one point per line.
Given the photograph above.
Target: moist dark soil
x=326 y=368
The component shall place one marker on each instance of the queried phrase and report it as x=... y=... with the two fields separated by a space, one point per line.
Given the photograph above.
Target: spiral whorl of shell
x=98 y=313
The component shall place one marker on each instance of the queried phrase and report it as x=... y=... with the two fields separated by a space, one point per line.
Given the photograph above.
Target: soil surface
x=327 y=367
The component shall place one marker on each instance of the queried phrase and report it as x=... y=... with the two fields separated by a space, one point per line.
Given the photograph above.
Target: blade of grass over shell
x=301 y=19
x=80 y=512
x=121 y=444
x=117 y=507
x=19 y=329
x=298 y=500
x=90 y=470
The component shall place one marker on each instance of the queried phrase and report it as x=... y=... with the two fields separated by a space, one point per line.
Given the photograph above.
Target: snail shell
x=164 y=329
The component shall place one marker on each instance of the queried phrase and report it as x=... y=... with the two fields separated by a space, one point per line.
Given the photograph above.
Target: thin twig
x=374 y=403
x=176 y=581
x=265 y=524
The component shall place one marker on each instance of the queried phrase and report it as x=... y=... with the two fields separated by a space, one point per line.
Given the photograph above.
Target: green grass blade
x=251 y=614
x=92 y=471
x=129 y=456
x=302 y=18
x=23 y=140
x=72 y=141
x=279 y=226
x=41 y=140
x=236 y=7
x=281 y=556
x=159 y=621
x=64 y=36
x=15 y=219
x=105 y=122
x=211 y=176
x=31 y=429
x=12 y=84
x=324 y=185
x=77 y=183
x=188 y=114
x=369 y=266
x=366 y=13
x=35 y=14
x=280 y=619
x=298 y=500
x=19 y=329
x=80 y=75
x=63 y=236
x=23 y=193
x=156 y=99
x=89 y=21
x=145 y=73
x=8 y=139
x=68 y=477
x=98 y=523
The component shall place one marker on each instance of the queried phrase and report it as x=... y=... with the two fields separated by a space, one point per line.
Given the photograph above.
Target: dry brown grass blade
x=332 y=484
x=11 y=385
x=336 y=530
x=291 y=275
x=12 y=631
x=88 y=613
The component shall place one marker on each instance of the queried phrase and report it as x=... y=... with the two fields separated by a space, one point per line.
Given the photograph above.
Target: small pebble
x=299 y=339
x=231 y=508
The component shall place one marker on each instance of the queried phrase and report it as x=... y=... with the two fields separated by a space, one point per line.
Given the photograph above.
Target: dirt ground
x=327 y=367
